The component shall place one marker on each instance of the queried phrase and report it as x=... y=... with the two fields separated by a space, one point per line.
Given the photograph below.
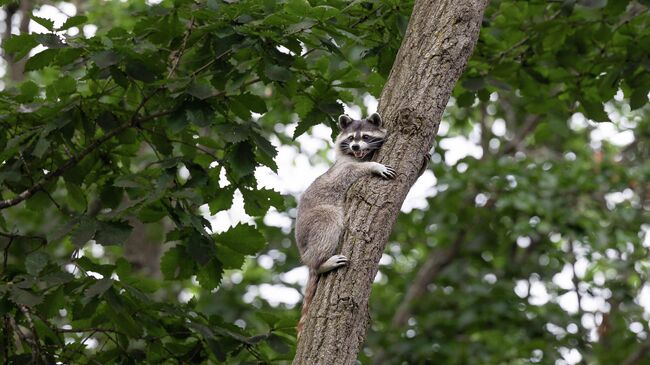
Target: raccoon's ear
x=344 y=121
x=375 y=119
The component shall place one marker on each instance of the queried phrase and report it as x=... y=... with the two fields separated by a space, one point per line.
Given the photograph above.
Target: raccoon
x=319 y=223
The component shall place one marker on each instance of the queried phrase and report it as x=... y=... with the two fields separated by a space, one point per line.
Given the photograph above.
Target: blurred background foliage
x=130 y=128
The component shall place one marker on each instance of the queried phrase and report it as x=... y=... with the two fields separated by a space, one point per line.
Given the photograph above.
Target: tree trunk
x=16 y=68
x=440 y=38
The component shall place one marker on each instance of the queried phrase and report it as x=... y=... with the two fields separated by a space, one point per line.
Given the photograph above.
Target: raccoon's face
x=360 y=138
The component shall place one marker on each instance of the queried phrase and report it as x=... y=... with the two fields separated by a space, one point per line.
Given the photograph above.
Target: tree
x=525 y=242
x=439 y=40
x=141 y=124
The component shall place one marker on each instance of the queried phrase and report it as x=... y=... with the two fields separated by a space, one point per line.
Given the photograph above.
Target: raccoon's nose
x=355 y=147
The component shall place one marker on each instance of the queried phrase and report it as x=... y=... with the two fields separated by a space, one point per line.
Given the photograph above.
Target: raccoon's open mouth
x=360 y=154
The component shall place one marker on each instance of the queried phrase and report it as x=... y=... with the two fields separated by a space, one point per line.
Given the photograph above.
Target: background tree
x=530 y=248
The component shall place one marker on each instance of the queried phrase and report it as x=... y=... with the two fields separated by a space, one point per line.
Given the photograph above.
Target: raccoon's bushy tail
x=310 y=292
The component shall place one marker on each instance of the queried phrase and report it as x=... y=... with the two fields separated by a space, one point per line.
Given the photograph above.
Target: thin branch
x=212 y=61
x=485 y=133
x=436 y=262
x=12 y=236
x=73 y=161
x=6 y=254
x=195 y=146
x=90 y=329
x=181 y=50
x=529 y=126
x=36 y=349
x=6 y=342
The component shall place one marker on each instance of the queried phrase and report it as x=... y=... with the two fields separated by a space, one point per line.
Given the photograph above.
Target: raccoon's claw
x=341 y=260
x=332 y=263
x=384 y=171
x=388 y=173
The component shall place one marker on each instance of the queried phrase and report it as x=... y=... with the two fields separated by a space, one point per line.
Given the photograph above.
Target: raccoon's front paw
x=384 y=171
x=332 y=263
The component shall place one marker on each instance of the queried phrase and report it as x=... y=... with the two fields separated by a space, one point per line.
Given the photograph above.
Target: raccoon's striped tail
x=310 y=292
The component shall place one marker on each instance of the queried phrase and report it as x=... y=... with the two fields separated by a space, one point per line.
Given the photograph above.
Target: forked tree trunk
x=440 y=38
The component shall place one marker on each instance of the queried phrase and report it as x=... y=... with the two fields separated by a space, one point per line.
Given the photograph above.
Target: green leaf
x=638 y=98
x=122 y=316
x=465 y=100
x=232 y=133
x=253 y=102
x=68 y=55
x=119 y=76
x=41 y=60
x=199 y=117
x=596 y=4
x=57 y=278
x=278 y=344
x=73 y=21
x=210 y=274
x=241 y=161
x=302 y=105
x=314 y=117
x=65 y=85
x=201 y=90
x=112 y=233
x=277 y=73
x=200 y=248
x=474 y=84
x=35 y=262
x=594 y=110
x=331 y=108
x=84 y=232
x=243 y=238
x=76 y=196
x=88 y=265
x=20 y=45
x=229 y=258
x=265 y=151
x=107 y=121
x=98 y=288
x=29 y=90
x=104 y=59
x=298 y=7
x=257 y=202
x=324 y=12
x=41 y=147
x=52 y=303
x=47 y=23
x=139 y=70
x=222 y=201
x=176 y=264
x=24 y=297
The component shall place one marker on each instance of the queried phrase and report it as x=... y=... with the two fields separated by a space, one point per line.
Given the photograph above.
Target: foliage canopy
x=117 y=140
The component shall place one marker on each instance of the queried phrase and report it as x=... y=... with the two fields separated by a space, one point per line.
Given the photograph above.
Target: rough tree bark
x=439 y=39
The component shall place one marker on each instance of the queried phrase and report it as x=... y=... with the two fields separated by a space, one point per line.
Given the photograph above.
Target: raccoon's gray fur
x=319 y=224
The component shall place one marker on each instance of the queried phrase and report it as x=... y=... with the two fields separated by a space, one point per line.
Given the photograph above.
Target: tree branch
x=439 y=39
x=73 y=161
x=529 y=126
x=437 y=261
